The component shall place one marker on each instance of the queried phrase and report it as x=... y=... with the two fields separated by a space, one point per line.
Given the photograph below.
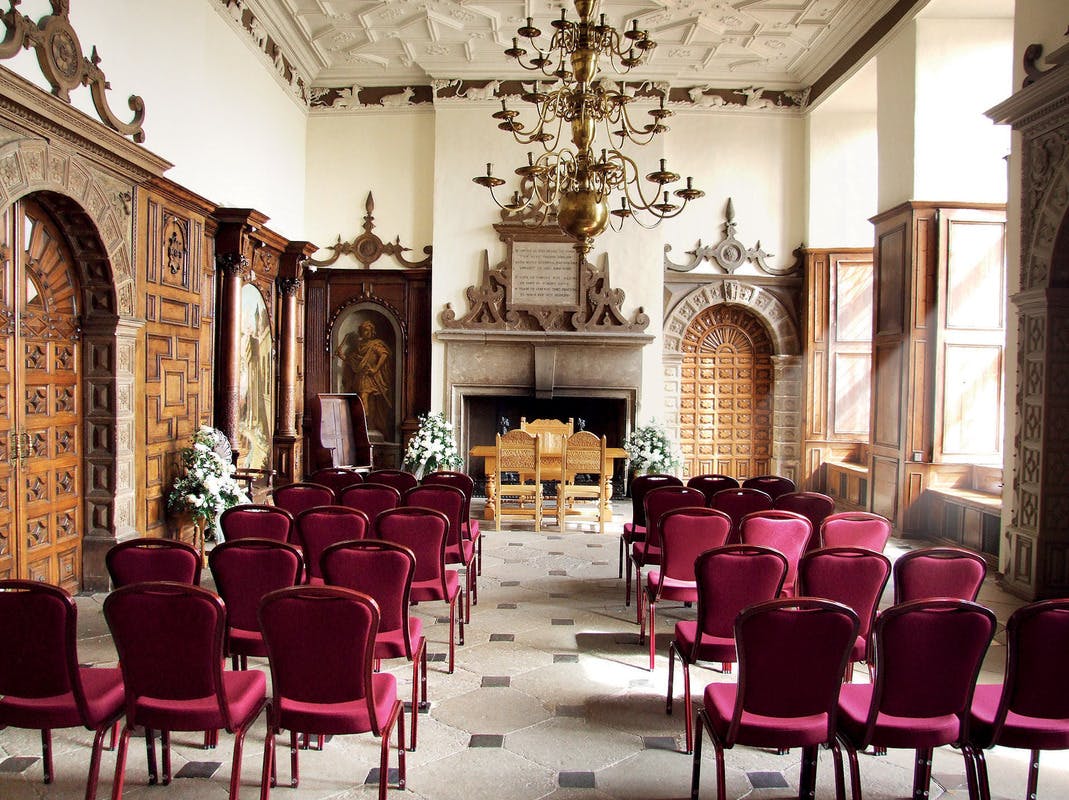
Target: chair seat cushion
x=104 y=697
x=713 y=648
x=891 y=731
x=461 y=553
x=759 y=730
x=432 y=589
x=391 y=644
x=243 y=642
x=643 y=555
x=1019 y=731
x=338 y=718
x=244 y=690
x=673 y=588
x=633 y=533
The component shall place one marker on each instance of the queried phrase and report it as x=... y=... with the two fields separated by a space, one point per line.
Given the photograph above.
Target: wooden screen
x=41 y=474
x=726 y=394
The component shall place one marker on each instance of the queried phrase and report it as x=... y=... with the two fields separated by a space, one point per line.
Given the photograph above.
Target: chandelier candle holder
x=576 y=181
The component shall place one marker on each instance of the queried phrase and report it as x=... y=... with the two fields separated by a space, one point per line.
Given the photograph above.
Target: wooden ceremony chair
x=583 y=453
x=519 y=453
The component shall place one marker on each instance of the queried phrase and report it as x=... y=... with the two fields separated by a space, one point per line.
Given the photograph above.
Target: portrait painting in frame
x=364 y=361
x=256 y=382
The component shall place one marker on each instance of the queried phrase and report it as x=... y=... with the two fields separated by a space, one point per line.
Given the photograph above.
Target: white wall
x=212 y=104
x=841 y=149
x=896 y=88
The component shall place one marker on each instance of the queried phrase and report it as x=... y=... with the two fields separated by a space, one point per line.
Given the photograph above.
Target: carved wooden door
x=40 y=414
x=726 y=394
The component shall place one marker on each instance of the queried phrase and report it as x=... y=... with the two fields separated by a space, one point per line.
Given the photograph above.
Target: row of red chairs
x=790 y=693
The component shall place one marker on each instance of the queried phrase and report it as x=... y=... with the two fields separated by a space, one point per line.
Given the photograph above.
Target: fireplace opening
x=483 y=416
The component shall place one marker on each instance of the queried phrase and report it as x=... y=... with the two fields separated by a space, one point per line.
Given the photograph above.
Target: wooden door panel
x=9 y=567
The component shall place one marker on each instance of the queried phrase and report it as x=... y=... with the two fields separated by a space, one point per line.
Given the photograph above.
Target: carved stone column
x=787 y=382
x=231 y=267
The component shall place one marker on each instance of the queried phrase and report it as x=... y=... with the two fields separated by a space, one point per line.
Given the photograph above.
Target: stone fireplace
x=591 y=376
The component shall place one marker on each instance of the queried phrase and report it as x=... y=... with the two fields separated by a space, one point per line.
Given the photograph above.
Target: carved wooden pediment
x=543 y=284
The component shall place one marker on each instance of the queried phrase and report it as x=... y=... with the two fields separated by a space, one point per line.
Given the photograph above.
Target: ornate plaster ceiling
x=782 y=44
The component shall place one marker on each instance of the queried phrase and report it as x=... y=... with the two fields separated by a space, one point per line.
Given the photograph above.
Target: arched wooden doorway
x=725 y=411
x=40 y=401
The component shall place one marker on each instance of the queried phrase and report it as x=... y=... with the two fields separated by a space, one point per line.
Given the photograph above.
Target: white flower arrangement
x=651 y=451
x=433 y=447
x=205 y=486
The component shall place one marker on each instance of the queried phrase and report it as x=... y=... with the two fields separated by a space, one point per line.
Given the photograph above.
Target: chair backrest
x=38 y=623
x=421 y=530
x=686 y=533
x=582 y=453
x=447 y=499
x=938 y=572
x=169 y=637
x=380 y=569
x=913 y=636
x=399 y=479
x=660 y=501
x=152 y=559
x=853 y=576
x=550 y=432
x=792 y=654
x=641 y=485
x=711 y=484
x=772 y=485
x=517 y=451
x=731 y=578
x=336 y=478
x=320 y=527
x=458 y=480
x=310 y=662
x=254 y=521
x=371 y=498
x=737 y=503
x=296 y=497
x=781 y=530
x=245 y=570
x=855 y=529
x=1037 y=661
x=814 y=506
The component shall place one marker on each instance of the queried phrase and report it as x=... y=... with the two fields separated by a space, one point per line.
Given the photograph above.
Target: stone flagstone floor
x=551 y=698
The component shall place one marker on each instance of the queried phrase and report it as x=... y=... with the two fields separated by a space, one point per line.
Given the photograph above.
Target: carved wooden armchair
x=518 y=456
x=583 y=453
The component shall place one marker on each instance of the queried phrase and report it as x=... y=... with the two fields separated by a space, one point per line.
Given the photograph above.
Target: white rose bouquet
x=205 y=486
x=651 y=451
x=433 y=447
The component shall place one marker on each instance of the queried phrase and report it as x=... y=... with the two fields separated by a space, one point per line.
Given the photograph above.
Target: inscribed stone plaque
x=545 y=274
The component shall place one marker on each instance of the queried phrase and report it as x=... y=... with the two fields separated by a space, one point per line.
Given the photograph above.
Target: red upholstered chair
x=170 y=640
x=423 y=531
x=296 y=497
x=337 y=479
x=322 y=682
x=737 y=503
x=729 y=579
x=711 y=484
x=371 y=498
x=814 y=506
x=152 y=559
x=635 y=530
x=772 y=485
x=244 y=571
x=855 y=529
x=938 y=572
x=321 y=526
x=397 y=478
x=909 y=704
x=42 y=685
x=647 y=550
x=781 y=530
x=462 y=481
x=383 y=570
x=252 y=521
x=458 y=548
x=792 y=653
x=686 y=533
x=1030 y=709
x=853 y=576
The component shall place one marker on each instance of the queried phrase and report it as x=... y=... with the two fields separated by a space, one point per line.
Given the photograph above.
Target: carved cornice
x=729 y=253
x=232 y=264
x=367 y=248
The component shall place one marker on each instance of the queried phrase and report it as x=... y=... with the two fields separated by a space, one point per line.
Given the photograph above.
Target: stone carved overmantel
x=1035 y=552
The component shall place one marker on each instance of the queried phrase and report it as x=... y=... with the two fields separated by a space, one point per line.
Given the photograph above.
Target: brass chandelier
x=575 y=181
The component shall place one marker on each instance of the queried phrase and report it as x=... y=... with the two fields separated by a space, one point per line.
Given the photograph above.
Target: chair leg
x=150 y=748
x=165 y=746
x=295 y=767
x=46 y=753
x=627 y=584
x=696 y=768
x=653 y=633
x=971 y=779
x=94 y=763
x=401 y=777
x=837 y=760
x=114 y=736
x=922 y=773
x=452 y=631
x=807 y=775
x=688 y=706
x=479 y=553
x=267 y=776
x=671 y=676
x=120 y=763
x=1033 y=775
x=981 y=774
x=235 y=770
x=855 y=771
x=467 y=597
x=620 y=563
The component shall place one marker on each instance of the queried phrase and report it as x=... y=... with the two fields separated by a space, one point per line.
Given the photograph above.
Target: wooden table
x=551 y=470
